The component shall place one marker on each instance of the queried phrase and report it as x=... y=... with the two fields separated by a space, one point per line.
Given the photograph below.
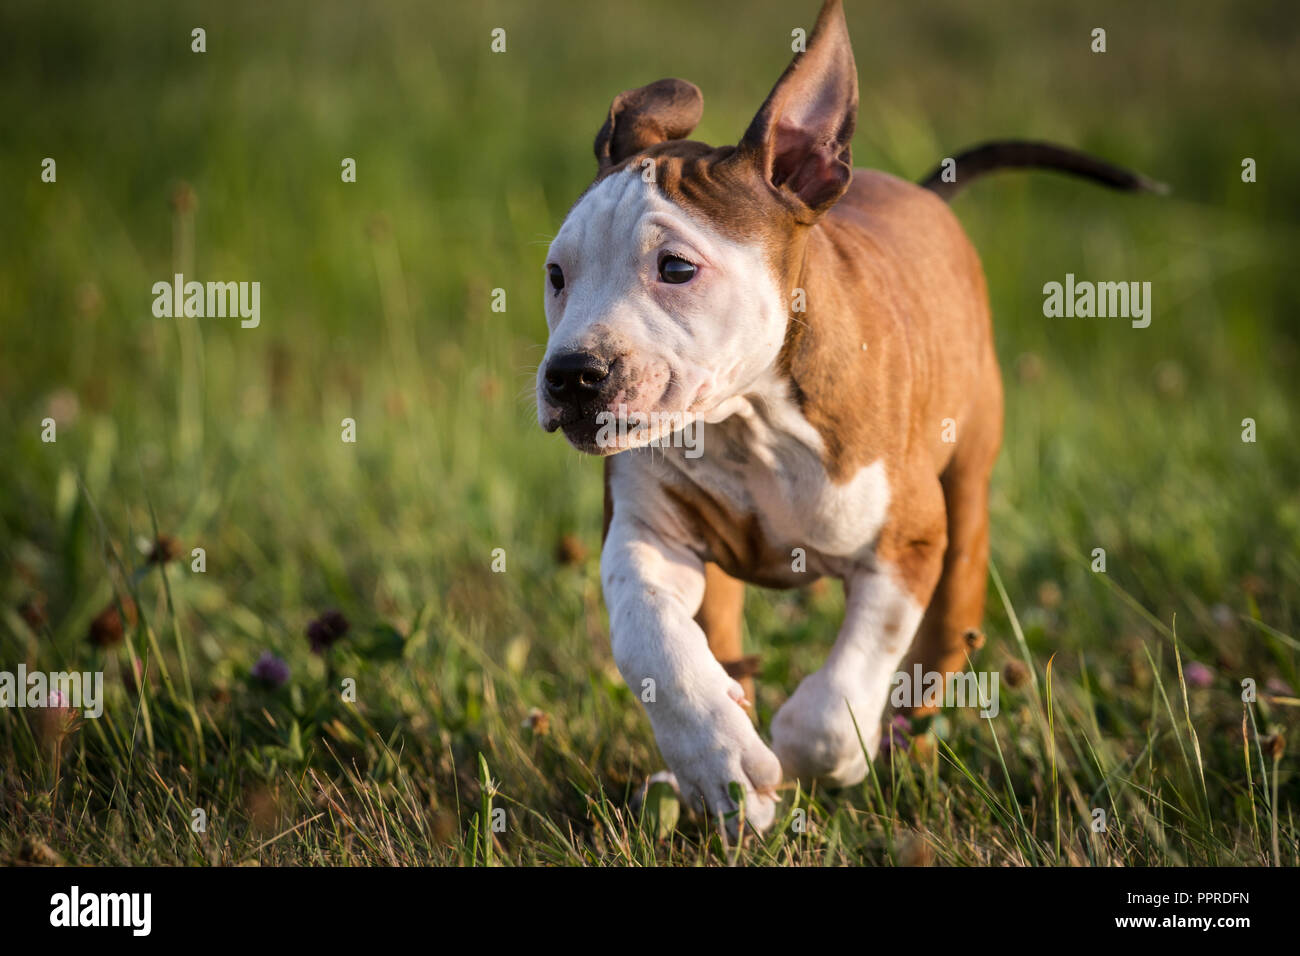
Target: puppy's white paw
x=814 y=734
x=713 y=746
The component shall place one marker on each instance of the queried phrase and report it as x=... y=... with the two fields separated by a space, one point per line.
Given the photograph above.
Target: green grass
x=376 y=306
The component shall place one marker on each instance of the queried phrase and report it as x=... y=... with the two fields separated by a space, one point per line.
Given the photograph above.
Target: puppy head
x=668 y=287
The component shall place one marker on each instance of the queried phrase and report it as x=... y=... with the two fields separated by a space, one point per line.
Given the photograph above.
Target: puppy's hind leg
x=958 y=603
x=721 y=615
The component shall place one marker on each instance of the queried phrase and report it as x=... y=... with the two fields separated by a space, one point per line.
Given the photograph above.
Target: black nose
x=574 y=377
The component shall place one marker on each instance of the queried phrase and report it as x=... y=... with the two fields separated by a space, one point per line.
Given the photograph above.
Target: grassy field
x=479 y=691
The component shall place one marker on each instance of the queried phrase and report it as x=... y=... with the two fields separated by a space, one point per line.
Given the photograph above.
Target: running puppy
x=823 y=328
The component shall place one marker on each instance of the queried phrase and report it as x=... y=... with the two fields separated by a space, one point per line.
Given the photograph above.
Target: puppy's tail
x=1023 y=154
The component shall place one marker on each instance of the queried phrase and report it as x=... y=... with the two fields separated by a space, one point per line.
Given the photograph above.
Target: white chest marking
x=766 y=460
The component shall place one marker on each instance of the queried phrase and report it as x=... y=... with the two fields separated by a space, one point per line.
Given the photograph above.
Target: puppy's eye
x=676 y=270
x=557 y=276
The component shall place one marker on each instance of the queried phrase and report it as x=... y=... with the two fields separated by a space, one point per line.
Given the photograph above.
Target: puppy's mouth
x=632 y=411
x=583 y=437
x=611 y=433
x=605 y=428
x=582 y=430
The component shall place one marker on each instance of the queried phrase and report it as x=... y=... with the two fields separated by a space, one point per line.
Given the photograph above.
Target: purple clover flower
x=1198 y=675
x=323 y=632
x=899 y=735
x=270 y=670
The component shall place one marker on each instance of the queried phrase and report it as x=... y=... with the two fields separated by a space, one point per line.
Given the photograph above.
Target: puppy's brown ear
x=800 y=138
x=666 y=109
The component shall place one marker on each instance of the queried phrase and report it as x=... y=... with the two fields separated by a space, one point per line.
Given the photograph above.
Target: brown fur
x=887 y=266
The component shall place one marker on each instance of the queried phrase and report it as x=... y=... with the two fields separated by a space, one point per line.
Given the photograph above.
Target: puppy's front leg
x=653 y=589
x=816 y=732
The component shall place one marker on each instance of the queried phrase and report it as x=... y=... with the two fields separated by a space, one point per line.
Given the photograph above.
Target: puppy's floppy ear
x=666 y=109
x=800 y=138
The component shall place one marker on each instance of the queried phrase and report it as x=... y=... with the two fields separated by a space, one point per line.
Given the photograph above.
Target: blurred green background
x=375 y=305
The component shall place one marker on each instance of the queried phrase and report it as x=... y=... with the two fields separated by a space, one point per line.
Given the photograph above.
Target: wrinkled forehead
x=684 y=186
x=624 y=211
